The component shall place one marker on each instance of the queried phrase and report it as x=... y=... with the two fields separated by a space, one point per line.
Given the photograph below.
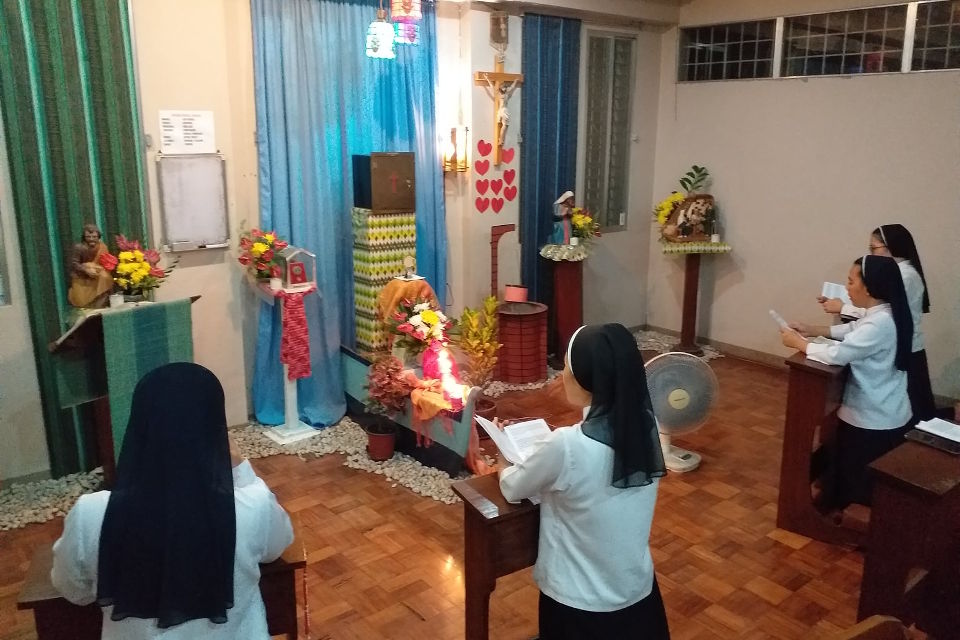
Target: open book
x=834 y=290
x=942 y=428
x=516 y=441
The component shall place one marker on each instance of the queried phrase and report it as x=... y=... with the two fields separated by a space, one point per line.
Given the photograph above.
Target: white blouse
x=913 y=285
x=263 y=532
x=594 y=551
x=875 y=396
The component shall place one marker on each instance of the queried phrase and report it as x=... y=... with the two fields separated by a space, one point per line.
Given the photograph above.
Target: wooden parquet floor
x=386 y=563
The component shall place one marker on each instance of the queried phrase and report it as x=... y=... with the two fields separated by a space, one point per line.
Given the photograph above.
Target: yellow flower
x=269 y=237
x=429 y=316
x=125 y=256
x=258 y=248
x=138 y=255
x=136 y=277
x=123 y=282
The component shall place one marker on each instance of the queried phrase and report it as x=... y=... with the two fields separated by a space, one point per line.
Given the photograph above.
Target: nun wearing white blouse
x=597 y=481
x=875 y=411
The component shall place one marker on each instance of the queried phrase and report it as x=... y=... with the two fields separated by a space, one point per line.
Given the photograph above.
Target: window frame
x=586 y=33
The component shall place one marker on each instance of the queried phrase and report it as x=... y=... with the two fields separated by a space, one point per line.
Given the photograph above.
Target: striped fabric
x=73 y=139
x=137 y=340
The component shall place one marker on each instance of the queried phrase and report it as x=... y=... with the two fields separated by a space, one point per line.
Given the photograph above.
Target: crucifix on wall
x=498 y=84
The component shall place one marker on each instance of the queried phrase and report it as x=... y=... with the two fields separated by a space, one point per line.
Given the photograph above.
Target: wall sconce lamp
x=455 y=152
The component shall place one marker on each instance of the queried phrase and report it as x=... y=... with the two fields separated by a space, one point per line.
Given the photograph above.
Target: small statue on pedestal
x=562 y=214
x=90 y=283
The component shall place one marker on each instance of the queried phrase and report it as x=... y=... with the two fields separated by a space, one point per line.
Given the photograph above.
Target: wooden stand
x=912 y=565
x=498 y=539
x=688 y=326
x=814 y=393
x=568 y=301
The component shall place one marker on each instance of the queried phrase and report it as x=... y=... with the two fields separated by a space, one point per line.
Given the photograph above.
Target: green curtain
x=68 y=100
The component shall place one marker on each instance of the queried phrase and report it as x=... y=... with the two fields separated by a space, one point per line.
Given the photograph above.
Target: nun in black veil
x=174 y=549
x=597 y=482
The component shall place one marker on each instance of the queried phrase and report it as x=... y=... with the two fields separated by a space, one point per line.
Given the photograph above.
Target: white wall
x=803 y=170
x=199 y=55
x=24 y=449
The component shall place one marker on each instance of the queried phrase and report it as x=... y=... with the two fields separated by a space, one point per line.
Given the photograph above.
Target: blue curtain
x=551 y=82
x=319 y=101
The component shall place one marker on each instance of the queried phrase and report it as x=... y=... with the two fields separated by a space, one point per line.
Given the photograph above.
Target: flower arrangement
x=479 y=332
x=695 y=217
x=416 y=324
x=134 y=268
x=583 y=224
x=387 y=387
x=259 y=253
x=666 y=206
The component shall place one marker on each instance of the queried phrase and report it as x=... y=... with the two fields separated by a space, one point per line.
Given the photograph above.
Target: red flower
x=151 y=256
x=275 y=271
x=255 y=231
x=244 y=259
x=279 y=244
x=406 y=327
x=108 y=261
x=157 y=272
x=245 y=243
x=267 y=255
x=399 y=317
x=126 y=245
x=262 y=266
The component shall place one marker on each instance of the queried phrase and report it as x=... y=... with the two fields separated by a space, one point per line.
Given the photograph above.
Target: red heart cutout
x=497 y=205
x=496 y=185
x=482 y=186
x=509 y=175
x=507 y=155
x=482 y=166
x=484 y=148
x=510 y=193
x=482 y=204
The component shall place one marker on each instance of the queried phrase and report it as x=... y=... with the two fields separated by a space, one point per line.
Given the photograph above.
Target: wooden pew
x=58 y=619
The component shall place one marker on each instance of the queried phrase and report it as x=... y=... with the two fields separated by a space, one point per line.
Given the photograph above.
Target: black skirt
x=857 y=448
x=919 y=389
x=646 y=620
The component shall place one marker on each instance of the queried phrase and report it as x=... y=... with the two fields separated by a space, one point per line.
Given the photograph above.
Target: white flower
x=417 y=322
x=442 y=317
x=423 y=306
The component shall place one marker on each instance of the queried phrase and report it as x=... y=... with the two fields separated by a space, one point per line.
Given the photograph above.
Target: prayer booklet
x=834 y=290
x=516 y=441
x=941 y=427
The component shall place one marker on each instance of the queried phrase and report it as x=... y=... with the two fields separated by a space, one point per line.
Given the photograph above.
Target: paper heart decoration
x=484 y=148
x=510 y=192
x=496 y=185
x=509 y=175
x=497 y=204
x=482 y=204
x=482 y=186
x=507 y=155
x=481 y=166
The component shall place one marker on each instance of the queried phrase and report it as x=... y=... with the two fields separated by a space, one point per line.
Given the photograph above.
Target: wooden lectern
x=83 y=376
x=814 y=394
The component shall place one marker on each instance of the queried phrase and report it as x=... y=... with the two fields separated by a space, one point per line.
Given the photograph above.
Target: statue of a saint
x=90 y=283
x=562 y=214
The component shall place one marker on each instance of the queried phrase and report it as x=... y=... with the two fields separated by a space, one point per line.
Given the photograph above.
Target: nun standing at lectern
x=597 y=481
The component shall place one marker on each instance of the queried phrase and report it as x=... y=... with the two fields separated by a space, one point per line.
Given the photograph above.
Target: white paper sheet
x=942 y=428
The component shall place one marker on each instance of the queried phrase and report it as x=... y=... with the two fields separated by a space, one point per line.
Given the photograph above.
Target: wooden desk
x=912 y=564
x=814 y=393
x=58 y=619
x=498 y=539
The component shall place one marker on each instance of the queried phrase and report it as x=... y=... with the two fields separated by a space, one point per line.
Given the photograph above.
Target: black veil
x=169 y=533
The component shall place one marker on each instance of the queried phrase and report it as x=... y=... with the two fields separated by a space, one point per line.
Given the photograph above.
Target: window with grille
x=844 y=42
x=936 y=41
x=609 y=100
x=727 y=51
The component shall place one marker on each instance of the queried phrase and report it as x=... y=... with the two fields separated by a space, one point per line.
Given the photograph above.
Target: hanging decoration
x=405 y=11
x=406 y=33
x=380 y=37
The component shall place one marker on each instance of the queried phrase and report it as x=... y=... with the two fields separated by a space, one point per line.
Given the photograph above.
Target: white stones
x=23 y=504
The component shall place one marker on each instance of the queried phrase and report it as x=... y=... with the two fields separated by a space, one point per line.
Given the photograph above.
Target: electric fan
x=683 y=389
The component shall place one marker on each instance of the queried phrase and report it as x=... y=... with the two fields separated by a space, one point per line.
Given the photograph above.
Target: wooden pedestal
x=567 y=301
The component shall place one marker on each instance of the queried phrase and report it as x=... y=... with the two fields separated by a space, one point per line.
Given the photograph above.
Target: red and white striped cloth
x=295 y=339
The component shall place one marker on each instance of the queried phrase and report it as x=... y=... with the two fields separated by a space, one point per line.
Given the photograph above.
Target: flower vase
x=276 y=284
x=133 y=297
x=574 y=241
x=116 y=300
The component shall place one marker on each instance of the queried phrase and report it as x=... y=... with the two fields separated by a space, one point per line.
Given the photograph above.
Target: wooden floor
x=385 y=563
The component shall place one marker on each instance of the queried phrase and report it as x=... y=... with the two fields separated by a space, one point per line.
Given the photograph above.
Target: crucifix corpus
x=498 y=84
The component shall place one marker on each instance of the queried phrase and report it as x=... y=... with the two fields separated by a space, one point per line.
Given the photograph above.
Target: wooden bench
x=58 y=619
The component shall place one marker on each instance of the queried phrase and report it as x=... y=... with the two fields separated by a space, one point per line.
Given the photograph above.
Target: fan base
x=680 y=460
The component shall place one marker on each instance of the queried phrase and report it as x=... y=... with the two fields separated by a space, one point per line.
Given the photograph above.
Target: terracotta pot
x=514 y=293
x=380 y=445
x=485 y=408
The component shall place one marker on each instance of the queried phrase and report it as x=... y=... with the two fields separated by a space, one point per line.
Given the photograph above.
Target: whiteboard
x=193 y=201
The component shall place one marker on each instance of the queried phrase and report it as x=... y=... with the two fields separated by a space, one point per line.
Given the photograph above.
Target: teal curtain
x=73 y=139
x=320 y=100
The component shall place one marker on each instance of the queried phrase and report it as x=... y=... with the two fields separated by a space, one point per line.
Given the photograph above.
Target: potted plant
x=414 y=325
x=259 y=253
x=689 y=216
x=479 y=334
x=585 y=227
x=387 y=393
x=135 y=270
